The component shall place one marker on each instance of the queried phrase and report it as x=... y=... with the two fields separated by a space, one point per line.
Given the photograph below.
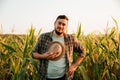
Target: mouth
x=57 y=31
x=59 y=28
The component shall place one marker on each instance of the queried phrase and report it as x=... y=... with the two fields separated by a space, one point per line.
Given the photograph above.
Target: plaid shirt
x=70 y=45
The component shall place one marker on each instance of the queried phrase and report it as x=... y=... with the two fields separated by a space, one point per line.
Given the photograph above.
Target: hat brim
x=62 y=46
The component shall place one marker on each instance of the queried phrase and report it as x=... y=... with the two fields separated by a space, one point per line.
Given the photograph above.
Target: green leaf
x=83 y=72
x=79 y=31
x=8 y=47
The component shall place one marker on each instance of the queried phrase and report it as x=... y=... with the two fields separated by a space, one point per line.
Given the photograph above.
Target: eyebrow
x=61 y=23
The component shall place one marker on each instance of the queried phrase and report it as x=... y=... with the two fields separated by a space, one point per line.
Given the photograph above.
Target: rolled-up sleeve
x=78 y=47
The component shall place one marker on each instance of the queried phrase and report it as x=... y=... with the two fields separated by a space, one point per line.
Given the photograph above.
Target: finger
x=51 y=57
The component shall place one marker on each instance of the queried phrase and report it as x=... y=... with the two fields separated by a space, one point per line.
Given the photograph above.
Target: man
x=62 y=69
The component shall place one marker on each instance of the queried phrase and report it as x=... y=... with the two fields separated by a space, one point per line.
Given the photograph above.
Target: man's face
x=60 y=26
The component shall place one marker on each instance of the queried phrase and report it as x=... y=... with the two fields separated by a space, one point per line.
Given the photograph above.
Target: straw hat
x=56 y=48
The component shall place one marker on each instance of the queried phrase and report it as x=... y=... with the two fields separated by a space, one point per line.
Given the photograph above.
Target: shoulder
x=69 y=37
x=45 y=35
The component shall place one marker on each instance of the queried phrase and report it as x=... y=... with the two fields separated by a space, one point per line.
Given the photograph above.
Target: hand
x=72 y=69
x=49 y=56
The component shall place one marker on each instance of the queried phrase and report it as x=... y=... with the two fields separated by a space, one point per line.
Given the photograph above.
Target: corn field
x=102 y=61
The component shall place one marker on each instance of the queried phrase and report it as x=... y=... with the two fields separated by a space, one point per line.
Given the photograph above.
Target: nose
x=61 y=25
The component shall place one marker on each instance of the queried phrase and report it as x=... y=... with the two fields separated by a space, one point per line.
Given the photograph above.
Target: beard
x=57 y=32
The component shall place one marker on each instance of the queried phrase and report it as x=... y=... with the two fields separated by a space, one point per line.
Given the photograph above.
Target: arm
x=81 y=50
x=36 y=52
x=46 y=55
x=75 y=65
x=38 y=56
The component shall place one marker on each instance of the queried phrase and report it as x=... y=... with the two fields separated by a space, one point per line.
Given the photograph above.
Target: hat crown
x=56 y=48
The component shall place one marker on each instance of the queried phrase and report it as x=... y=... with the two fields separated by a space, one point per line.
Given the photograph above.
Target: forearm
x=81 y=56
x=78 y=61
x=75 y=65
x=37 y=56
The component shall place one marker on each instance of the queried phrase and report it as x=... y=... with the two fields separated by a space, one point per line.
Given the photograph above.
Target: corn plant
x=102 y=60
x=15 y=57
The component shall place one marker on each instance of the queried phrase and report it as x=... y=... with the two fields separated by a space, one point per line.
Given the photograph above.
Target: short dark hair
x=62 y=17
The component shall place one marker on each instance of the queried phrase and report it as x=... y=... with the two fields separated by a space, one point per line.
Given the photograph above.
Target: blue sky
x=18 y=15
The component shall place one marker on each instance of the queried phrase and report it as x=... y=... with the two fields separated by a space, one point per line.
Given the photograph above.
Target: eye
x=60 y=23
x=63 y=24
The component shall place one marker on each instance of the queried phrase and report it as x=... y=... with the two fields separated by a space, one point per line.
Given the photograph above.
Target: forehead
x=62 y=21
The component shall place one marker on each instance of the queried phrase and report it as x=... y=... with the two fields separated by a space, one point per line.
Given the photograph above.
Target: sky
x=17 y=16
